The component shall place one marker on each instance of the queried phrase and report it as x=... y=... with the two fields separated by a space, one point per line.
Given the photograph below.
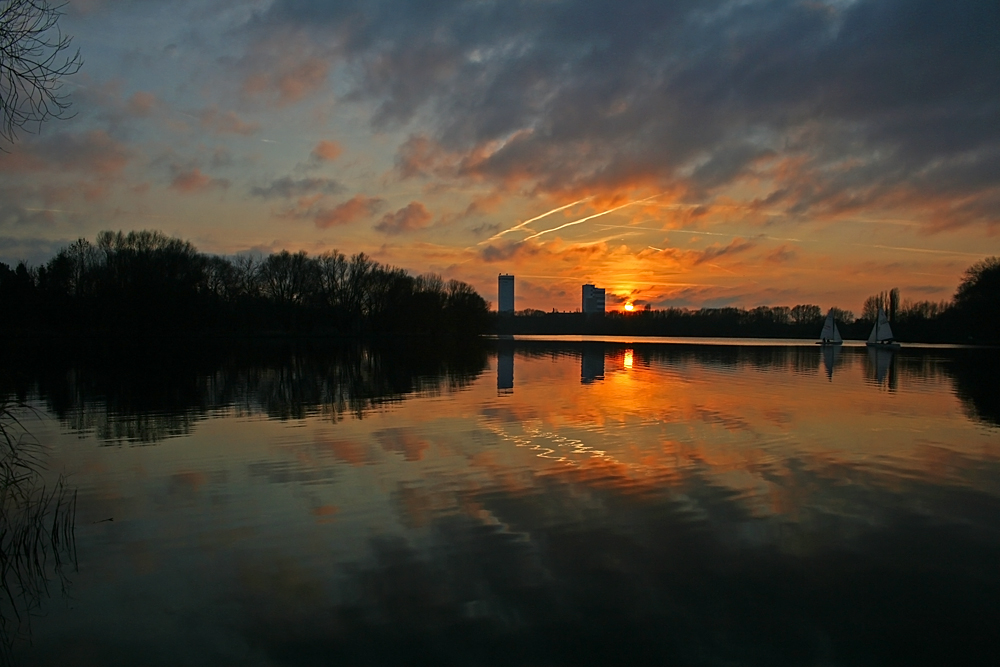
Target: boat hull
x=829 y=343
x=884 y=346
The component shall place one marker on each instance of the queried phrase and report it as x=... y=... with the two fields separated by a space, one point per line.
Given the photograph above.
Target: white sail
x=881 y=331
x=884 y=330
x=830 y=332
x=828 y=327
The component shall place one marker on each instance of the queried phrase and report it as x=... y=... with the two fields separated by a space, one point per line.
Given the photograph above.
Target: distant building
x=593 y=299
x=505 y=289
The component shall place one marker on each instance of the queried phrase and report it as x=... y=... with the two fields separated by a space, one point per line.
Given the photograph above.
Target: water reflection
x=831 y=354
x=592 y=362
x=882 y=367
x=505 y=367
x=147 y=394
x=37 y=529
x=695 y=506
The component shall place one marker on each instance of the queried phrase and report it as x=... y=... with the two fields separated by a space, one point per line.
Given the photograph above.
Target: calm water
x=530 y=503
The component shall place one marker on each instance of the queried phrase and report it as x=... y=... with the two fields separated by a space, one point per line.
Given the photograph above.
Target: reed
x=37 y=530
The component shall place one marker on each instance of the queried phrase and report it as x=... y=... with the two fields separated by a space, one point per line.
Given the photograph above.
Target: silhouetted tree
x=977 y=301
x=887 y=301
x=806 y=314
x=841 y=315
x=144 y=281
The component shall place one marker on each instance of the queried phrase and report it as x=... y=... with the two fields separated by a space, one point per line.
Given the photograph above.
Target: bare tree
x=34 y=56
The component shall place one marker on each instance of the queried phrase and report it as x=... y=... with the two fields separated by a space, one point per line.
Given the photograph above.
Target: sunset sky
x=687 y=153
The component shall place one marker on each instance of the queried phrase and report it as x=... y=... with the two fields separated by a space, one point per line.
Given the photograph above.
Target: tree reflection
x=977 y=383
x=146 y=395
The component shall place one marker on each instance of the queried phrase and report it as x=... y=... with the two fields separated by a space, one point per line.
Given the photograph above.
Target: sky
x=694 y=153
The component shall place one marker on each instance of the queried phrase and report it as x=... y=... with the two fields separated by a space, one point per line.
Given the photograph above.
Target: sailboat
x=830 y=335
x=881 y=335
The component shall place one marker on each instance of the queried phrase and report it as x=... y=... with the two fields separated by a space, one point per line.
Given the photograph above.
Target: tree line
x=146 y=282
x=972 y=316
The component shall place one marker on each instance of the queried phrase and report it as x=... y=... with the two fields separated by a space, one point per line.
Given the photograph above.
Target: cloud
x=781 y=255
x=92 y=152
x=225 y=122
x=282 y=67
x=876 y=102
x=142 y=104
x=289 y=188
x=410 y=218
x=326 y=151
x=31 y=250
x=714 y=252
x=190 y=181
x=504 y=253
x=357 y=208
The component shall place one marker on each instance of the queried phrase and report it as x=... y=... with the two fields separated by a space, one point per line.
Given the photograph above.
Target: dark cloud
x=32 y=250
x=503 y=253
x=288 y=188
x=838 y=105
x=714 y=252
x=782 y=254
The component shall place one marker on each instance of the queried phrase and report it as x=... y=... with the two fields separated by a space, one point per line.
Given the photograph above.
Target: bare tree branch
x=34 y=56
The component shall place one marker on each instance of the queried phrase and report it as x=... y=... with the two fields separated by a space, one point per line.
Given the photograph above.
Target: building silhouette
x=593 y=299
x=505 y=290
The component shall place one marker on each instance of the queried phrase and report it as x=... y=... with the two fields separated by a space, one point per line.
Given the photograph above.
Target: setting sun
x=629 y=307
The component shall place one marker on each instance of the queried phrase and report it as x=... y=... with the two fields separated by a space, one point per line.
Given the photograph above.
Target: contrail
x=700 y=233
x=936 y=252
x=589 y=217
x=537 y=217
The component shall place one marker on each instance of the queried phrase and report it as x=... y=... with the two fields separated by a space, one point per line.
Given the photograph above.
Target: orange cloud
x=326 y=151
x=193 y=180
x=356 y=208
x=410 y=218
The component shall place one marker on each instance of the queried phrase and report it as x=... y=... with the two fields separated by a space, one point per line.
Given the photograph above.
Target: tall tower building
x=505 y=290
x=593 y=299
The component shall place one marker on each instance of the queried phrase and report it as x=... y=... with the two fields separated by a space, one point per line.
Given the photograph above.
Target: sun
x=629 y=307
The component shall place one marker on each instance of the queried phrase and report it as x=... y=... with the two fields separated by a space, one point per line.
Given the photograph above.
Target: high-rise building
x=505 y=290
x=593 y=299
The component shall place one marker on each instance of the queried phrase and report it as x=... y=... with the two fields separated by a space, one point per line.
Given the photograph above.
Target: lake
x=520 y=502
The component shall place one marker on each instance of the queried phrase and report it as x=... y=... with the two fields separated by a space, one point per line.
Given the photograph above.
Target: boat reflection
x=831 y=355
x=881 y=367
